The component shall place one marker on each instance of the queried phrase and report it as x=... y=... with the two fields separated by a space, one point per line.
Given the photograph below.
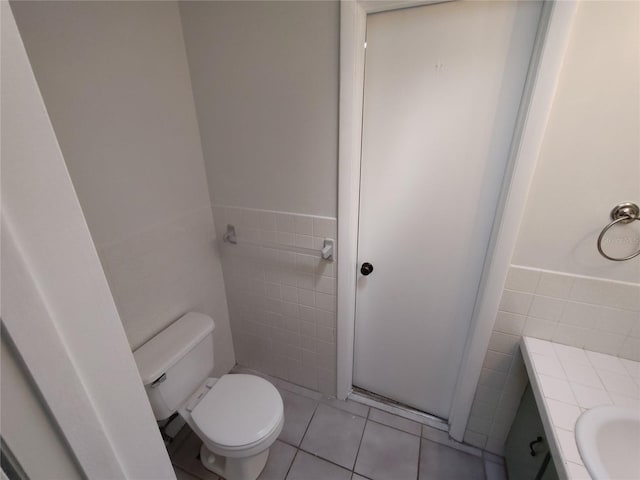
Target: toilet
x=237 y=416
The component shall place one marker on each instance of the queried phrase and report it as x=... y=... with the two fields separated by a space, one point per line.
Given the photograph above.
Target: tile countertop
x=567 y=381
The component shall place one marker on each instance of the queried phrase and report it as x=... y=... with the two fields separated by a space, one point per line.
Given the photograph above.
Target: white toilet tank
x=175 y=362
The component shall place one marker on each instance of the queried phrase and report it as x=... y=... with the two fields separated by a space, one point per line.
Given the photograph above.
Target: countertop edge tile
x=544 y=348
x=545 y=416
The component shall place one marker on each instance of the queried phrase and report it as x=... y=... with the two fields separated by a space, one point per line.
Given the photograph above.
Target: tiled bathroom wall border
x=282 y=304
x=595 y=314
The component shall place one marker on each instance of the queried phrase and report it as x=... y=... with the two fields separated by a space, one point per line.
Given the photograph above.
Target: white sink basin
x=608 y=439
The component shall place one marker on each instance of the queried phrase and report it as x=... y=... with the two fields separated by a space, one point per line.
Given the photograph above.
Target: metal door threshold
x=371 y=399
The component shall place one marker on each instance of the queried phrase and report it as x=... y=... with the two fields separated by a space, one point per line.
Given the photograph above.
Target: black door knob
x=366 y=269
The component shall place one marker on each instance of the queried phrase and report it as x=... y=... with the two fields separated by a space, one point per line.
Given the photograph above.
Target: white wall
x=30 y=433
x=57 y=307
x=559 y=287
x=590 y=157
x=265 y=81
x=115 y=81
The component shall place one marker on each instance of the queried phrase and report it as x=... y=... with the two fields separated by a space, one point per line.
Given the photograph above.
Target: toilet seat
x=239 y=415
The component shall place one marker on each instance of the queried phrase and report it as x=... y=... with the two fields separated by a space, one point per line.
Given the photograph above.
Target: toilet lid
x=239 y=410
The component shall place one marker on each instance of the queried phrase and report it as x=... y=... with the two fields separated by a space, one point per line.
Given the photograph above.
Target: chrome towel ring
x=623 y=213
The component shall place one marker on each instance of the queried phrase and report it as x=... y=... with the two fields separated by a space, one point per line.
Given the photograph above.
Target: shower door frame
x=546 y=62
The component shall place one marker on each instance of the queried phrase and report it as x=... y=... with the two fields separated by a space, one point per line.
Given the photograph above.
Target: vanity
x=566 y=382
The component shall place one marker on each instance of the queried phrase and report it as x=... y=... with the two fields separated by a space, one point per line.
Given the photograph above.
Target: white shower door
x=443 y=84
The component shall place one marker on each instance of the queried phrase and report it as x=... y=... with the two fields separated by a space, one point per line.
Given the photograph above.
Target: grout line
x=329 y=404
x=419 y=455
x=360 y=475
x=396 y=428
x=326 y=460
x=355 y=460
x=308 y=424
x=399 y=411
x=291 y=464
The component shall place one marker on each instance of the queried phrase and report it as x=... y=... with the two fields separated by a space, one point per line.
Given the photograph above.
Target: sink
x=608 y=439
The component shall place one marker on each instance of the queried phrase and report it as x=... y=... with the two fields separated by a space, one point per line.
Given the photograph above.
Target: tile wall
x=595 y=314
x=282 y=304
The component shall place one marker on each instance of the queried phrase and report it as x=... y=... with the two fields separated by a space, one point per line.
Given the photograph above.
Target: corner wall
x=116 y=84
x=559 y=287
x=56 y=305
x=265 y=83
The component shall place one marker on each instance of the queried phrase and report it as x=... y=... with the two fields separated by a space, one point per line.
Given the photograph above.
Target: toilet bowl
x=238 y=419
x=237 y=416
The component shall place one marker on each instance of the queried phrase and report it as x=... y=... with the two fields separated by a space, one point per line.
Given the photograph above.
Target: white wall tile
x=303 y=225
x=615 y=320
x=291 y=309
x=622 y=295
x=268 y=237
x=510 y=323
x=515 y=302
x=326 y=302
x=273 y=290
x=522 y=279
x=308 y=329
x=308 y=314
x=503 y=343
x=631 y=349
x=554 y=285
x=325 y=285
x=498 y=361
x=326 y=334
x=306 y=281
x=589 y=290
x=306 y=297
x=539 y=328
x=476 y=439
x=582 y=312
x=285 y=222
x=603 y=342
x=267 y=220
x=285 y=238
x=278 y=328
x=325 y=227
x=479 y=424
x=547 y=308
x=570 y=335
x=492 y=378
x=303 y=241
x=326 y=319
x=487 y=394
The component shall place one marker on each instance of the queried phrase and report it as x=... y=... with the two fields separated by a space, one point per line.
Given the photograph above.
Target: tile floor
x=328 y=439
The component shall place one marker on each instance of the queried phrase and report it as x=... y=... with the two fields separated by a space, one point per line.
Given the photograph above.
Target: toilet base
x=245 y=468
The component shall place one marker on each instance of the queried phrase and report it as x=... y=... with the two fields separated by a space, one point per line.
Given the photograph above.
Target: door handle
x=532 y=450
x=366 y=269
